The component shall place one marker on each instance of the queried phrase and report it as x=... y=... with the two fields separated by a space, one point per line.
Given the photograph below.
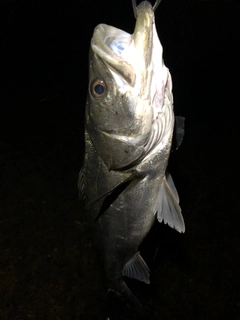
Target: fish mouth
x=143 y=35
x=128 y=55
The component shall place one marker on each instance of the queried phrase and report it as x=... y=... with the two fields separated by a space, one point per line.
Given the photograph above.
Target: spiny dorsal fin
x=178 y=132
x=137 y=268
x=167 y=206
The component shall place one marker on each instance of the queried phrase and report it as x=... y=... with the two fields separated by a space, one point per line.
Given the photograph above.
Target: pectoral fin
x=137 y=268
x=114 y=194
x=167 y=206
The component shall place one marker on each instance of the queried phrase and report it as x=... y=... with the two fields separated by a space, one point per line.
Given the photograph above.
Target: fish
x=129 y=125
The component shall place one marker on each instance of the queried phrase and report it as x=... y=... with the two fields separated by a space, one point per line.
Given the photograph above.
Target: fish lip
x=143 y=44
x=143 y=31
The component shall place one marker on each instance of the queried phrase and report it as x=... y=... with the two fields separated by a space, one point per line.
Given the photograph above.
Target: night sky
x=47 y=264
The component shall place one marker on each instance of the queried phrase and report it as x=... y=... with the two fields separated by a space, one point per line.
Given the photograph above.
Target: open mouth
x=128 y=55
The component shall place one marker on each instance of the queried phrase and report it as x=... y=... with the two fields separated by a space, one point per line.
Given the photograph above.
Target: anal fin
x=167 y=206
x=137 y=268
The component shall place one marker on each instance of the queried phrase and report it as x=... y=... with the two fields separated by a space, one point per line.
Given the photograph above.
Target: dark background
x=47 y=269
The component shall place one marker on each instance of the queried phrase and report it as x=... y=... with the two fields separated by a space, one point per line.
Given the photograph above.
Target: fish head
x=127 y=80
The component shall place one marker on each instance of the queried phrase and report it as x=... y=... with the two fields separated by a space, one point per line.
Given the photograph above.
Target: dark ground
x=47 y=270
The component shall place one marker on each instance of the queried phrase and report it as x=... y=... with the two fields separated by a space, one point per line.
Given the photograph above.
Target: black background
x=46 y=266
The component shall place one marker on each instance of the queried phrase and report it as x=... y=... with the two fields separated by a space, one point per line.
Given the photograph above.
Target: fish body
x=128 y=137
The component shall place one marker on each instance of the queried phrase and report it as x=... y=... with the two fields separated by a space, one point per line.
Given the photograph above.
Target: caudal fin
x=119 y=291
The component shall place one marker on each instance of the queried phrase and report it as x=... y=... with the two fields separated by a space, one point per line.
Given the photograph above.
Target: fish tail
x=120 y=291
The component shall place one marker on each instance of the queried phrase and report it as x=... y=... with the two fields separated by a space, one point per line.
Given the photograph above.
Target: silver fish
x=128 y=136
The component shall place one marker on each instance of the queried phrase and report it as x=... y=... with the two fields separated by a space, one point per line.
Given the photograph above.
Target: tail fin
x=120 y=291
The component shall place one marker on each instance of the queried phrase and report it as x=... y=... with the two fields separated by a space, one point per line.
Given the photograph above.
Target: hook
x=134 y=4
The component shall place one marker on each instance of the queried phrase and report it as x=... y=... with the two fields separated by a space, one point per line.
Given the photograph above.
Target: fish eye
x=98 y=88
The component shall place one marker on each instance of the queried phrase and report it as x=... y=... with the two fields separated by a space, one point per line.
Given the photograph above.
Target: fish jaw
x=132 y=69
